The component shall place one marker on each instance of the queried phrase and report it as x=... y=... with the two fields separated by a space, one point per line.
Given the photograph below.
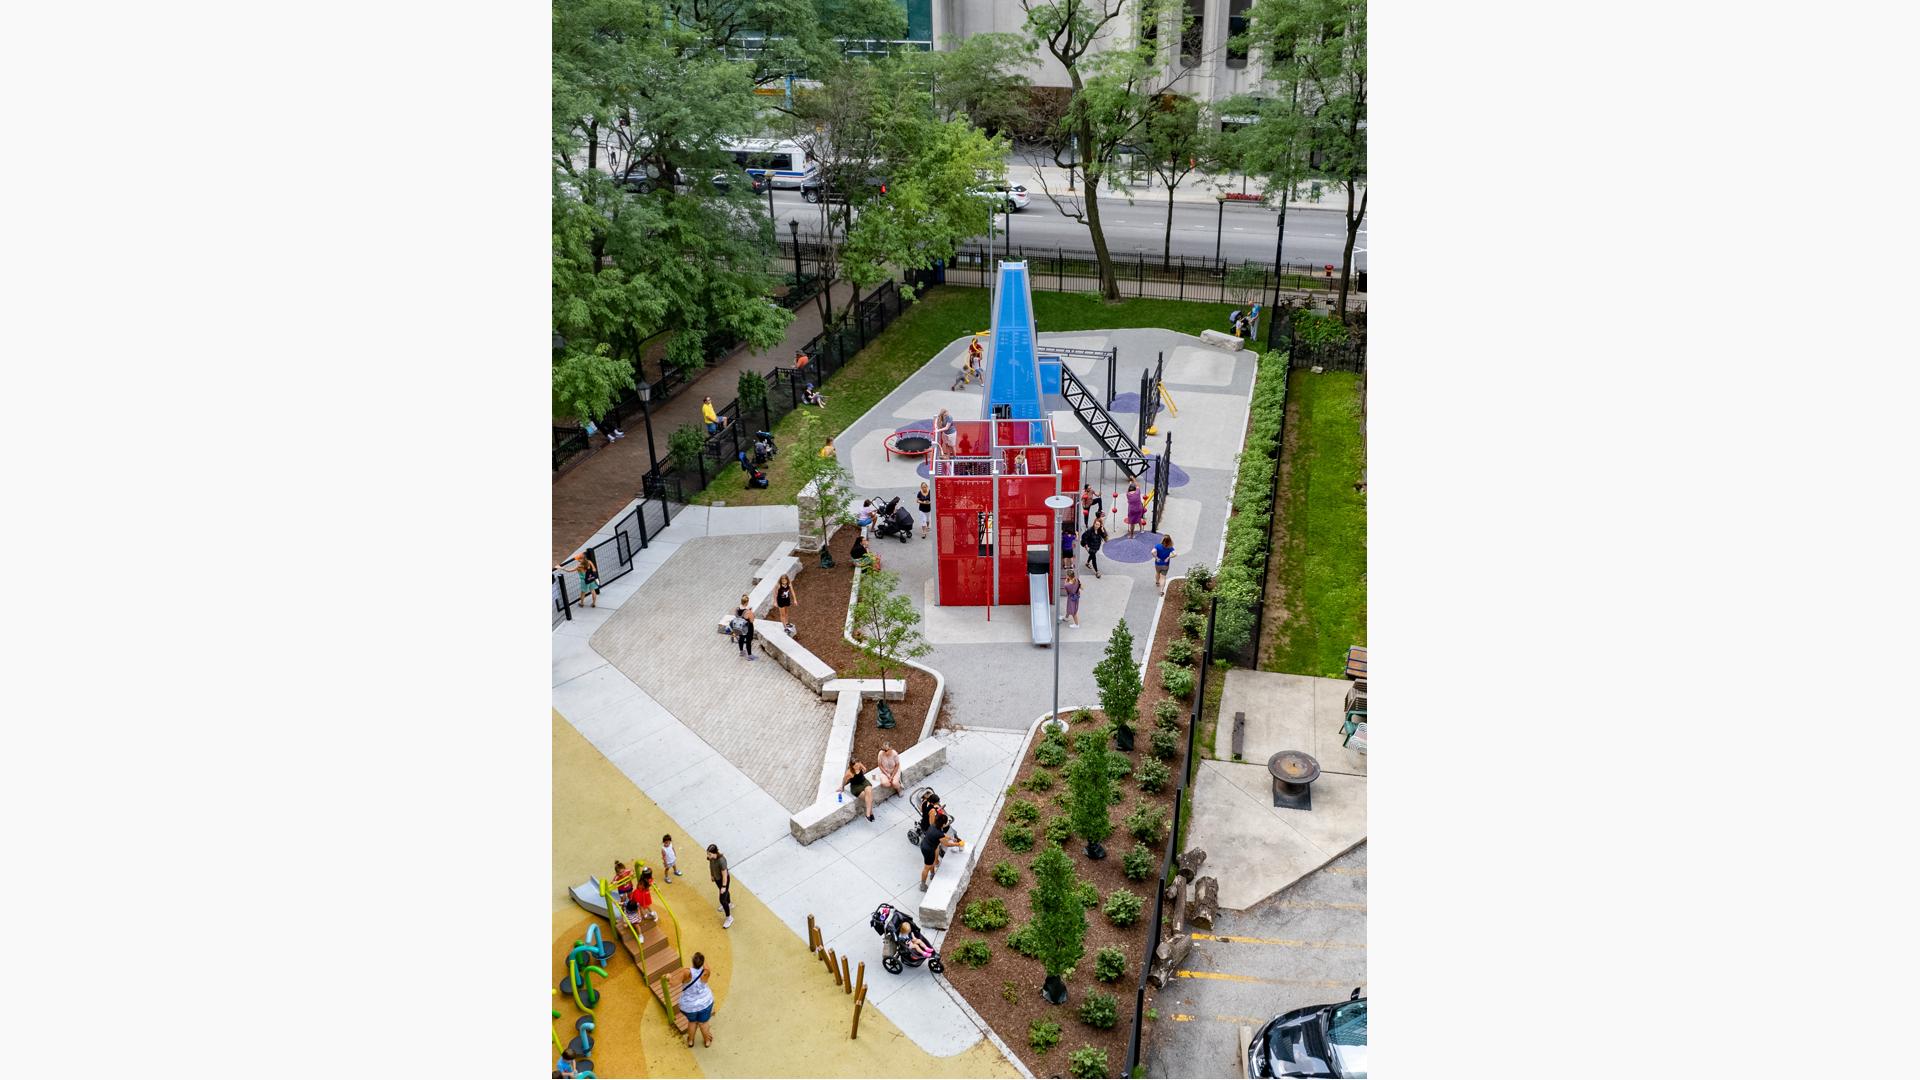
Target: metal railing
x=614 y=555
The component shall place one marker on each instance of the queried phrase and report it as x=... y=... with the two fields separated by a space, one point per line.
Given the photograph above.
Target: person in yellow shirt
x=828 y=451
x=707 y=414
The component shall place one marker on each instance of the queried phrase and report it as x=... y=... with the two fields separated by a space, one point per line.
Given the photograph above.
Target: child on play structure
x=643 y=896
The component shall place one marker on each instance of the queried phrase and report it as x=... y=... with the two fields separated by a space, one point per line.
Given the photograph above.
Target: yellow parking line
x=1282 y=941
x=1184 y=1018
x=1253 y=979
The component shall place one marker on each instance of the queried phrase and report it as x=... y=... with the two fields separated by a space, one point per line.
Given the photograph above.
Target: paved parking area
x=1304 y=946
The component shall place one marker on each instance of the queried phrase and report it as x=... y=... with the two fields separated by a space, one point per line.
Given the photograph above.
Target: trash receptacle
x=1361 y=283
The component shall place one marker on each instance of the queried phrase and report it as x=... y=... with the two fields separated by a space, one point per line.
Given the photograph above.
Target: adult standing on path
x=783 y=601
x=1136 y=509
x=696 y=999
x=1091 y=540
x=743 y=626
x=1066 y=544
x=1162 y=556
x=722 y=880
x=926 y=508
x=932 y=840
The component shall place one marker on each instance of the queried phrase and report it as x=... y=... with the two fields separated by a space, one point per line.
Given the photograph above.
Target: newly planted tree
x=1090 y=792
x=1059 y=926
x=886 y=629
x=1119 y=683
x=829 y=480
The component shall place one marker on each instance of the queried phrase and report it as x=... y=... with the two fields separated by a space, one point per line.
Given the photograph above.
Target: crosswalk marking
x=1282 y=941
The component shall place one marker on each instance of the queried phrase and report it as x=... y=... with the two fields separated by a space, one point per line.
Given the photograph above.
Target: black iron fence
x=613 y=557
x=1169 y=859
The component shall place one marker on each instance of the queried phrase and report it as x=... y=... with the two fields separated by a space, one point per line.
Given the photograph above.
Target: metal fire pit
x=1293 y=775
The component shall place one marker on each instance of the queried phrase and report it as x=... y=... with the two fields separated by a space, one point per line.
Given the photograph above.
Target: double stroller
x=894 y=520
x=902 y=945
x=763 y=448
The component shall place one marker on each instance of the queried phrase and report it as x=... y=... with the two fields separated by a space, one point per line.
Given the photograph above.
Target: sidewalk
x=588 y=495
x=1198 y=187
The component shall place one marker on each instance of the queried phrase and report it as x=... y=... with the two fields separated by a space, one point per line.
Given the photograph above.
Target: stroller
x=763 y=448
x=894 y=520
x=901 y=947
x=922 y=799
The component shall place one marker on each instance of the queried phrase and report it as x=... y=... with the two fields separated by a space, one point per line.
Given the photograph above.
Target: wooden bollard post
x=813 y=935
x=822 y=957
x=861 y=979
x=859 y=1000
x=833 y=967
x=846 y=980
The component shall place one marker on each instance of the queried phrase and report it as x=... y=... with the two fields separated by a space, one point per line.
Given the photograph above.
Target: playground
x=661 y=727
x=996 y=676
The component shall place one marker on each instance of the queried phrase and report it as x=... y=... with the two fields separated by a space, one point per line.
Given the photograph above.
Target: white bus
x=783 y=162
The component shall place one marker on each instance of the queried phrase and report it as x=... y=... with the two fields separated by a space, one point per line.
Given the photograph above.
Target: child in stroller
x=763 y=448
x=756 y=476
x=901 y=942
x=894 y=520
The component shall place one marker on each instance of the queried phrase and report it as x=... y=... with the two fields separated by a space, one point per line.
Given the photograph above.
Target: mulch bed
x=986 y=988
x=820 y=615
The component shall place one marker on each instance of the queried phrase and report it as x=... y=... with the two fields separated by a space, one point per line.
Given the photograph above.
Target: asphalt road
x=1245 y=232
x=1306 y=945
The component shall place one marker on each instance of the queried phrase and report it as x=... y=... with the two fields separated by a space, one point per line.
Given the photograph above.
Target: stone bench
x=850 y=696
x=956 y=868
x=782 y=561
x=917 y=762
x=812 y=671
x=1221 y=340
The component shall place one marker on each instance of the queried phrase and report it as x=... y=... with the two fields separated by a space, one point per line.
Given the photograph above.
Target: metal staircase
x=1100 y=423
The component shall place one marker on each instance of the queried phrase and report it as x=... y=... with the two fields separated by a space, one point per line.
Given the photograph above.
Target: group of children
x=634 y=888
x=970 y=370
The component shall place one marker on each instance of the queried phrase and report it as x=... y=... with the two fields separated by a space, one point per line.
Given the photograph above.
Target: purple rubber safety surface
x=1128 y=402
x=1137 y=550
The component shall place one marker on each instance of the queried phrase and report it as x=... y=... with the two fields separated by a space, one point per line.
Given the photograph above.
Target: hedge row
x=1243 y=569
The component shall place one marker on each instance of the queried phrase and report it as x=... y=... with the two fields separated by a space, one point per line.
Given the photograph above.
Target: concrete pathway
x=840 y=879
x=777 y=1013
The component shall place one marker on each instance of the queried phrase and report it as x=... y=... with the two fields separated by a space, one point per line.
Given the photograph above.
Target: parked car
x=1317 y=1041
x=1015 y=195
x=814 y=188
x=637 y=180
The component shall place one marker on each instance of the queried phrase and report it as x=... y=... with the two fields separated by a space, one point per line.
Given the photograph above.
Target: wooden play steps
x=657 y=958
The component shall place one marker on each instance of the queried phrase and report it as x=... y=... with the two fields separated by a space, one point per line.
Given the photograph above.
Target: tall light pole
x=646 y=394
x=1059 y=504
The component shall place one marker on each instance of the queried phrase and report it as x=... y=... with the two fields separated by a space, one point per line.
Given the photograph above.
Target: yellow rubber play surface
x=777 y=1013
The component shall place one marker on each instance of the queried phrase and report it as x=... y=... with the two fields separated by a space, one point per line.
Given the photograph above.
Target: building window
x=1194 y=37
x=1236 y=26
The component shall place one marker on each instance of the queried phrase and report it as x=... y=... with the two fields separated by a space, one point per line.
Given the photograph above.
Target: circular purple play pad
x=1137 y=550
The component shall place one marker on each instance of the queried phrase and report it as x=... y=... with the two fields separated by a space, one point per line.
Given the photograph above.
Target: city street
x=1314 y=236
x=1307 y=945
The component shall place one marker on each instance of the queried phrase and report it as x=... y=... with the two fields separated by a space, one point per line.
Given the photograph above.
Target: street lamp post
x=794 y=224
x=1059 y=504
x=1219 y=219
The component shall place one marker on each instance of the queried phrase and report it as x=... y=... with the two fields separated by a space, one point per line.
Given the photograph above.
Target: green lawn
x=941 y=314
x=1323 y=564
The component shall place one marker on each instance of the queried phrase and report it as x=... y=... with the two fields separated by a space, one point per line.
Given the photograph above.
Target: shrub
x=1087 y=1063
x=1010 y=992
x=684 y=445
x=1237 y=585
x=1006 y=874
x=1050 y=754
x=1059 y=830
x=1176 y=680
x=1319 y=329
x=1119 y=766
x=1043 y=1035
x=1023 y=810
x=751 y=387
x=1138 y=863
x=1166 y=714
x=1146 y=823
x=1193 y=624
x=1109 y=964
x=1199 y=576
x=1024 y=941
x=1180 y=651
x=1123 y=907
x=1082 y=716
x=1018 y=837
x=1154 y=775
x=1088 y=892
x=1100 y=1010
x=983 y=915
x=973 y=954
x=1041 y=780
x=1193 y=600
x=1164 y=744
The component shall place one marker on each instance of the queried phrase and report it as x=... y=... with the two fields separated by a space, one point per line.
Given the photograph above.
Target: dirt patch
x=822 y=596
x=985 y=988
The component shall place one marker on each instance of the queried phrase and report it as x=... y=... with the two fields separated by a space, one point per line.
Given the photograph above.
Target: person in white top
x=696 y=999
x=669 y=861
